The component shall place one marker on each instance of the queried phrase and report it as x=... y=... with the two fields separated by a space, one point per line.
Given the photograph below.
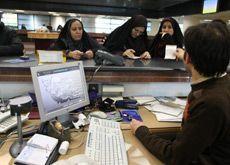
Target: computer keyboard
x=7 y=122
x=4 y=115
x=105 y=143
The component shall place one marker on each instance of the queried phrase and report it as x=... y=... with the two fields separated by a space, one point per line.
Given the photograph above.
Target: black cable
x=91 y=78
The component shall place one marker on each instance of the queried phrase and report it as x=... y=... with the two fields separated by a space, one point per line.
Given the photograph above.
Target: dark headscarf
x=66 y=42
x=120 y=39
x=157 y=48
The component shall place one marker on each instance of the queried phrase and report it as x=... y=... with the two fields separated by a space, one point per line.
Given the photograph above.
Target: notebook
x=37 y=150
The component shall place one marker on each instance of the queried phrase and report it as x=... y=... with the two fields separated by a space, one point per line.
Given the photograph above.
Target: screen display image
x=59 y=88
x=210 y=6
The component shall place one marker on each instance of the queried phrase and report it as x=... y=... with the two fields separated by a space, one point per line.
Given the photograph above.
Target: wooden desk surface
x=137 y=153
x=43 y=35
x=150 y=121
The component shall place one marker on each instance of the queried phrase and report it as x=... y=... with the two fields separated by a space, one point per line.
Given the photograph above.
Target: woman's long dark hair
x=118 y=38
x=157 y=47
x=177 y=35
x=85 y=43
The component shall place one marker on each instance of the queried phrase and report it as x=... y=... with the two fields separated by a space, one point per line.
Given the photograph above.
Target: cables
x=91 y=78
x=80 y=135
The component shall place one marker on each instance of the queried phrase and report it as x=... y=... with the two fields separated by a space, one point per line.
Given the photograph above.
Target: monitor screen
x=210 y=6
x=59 y=88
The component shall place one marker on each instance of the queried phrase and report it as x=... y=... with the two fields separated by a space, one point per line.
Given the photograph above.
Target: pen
x=128 y=116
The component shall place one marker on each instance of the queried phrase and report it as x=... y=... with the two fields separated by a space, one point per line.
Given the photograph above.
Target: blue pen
x=129 y=117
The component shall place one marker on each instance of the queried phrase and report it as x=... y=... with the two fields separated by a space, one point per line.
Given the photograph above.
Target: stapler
x=127 y=104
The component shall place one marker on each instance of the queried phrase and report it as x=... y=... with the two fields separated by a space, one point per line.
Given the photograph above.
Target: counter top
x=155 y=70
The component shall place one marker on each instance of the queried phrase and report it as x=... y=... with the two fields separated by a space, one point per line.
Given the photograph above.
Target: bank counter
x=155 y=70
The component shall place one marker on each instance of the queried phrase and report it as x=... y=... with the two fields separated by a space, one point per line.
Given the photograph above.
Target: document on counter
x=157 y=107
x=142 y=100
x=168 y=118
x=50 y=56
x=169 y=52
x=18 y=60
x=135 y=57
x=37 y=150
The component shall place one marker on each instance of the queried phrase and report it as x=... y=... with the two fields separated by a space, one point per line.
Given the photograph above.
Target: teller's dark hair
x=208 y=46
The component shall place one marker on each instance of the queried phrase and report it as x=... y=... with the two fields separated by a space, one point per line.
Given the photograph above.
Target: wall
x=190 y=21
x=12 y=89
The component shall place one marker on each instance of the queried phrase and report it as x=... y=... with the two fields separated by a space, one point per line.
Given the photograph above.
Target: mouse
x=98 y=114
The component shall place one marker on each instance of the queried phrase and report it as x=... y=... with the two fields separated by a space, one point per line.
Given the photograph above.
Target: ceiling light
x=20 y=11
x=51 y=12
x=207 y=20
x=72 y=14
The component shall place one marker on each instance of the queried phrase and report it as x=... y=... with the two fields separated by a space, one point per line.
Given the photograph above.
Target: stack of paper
x=144 y=99
x=169 y=118
x=165 y=112
x=50 y=56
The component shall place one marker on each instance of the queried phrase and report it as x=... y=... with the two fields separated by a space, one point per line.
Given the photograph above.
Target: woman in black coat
x=130 y=39
x=169 y=33
x=77 y=43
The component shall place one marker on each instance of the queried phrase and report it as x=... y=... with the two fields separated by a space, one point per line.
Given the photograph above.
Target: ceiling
x=135 y=4
x=149 y=8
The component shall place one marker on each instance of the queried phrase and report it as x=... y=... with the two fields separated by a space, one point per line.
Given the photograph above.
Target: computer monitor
x=210 y=6
x=59 y=89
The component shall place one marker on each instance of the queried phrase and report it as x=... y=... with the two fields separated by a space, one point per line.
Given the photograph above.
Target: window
x=40 y=20
x=27 y=20
x=107 y=25
x=149 y=26
x=10 y=19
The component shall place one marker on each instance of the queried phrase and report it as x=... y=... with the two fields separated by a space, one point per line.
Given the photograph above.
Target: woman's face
x=76 y=30
x=137 y=31
x=167 y=28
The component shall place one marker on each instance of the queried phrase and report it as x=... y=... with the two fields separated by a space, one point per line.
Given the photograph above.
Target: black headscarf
x=120 y=39
x=157 y=48
x=66 y=42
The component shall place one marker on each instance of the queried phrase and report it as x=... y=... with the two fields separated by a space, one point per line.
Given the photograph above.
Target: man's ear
x=187 y=58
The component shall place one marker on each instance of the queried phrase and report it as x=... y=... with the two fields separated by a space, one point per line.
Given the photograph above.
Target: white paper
x=169 y=51
x=144 y=99
x=135 y=57
x=50 y=56
x=180 y=102
x=33 y=156
x=169 y=118
x=157 y=107
x=37 y=150
x=43 y=141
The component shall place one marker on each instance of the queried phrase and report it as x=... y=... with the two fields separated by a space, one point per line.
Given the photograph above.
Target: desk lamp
x=16 y=106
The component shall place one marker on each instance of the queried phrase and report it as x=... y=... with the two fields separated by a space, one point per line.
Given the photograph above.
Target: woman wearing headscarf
x=77 y=43
x=169 y=33
x=130 y=39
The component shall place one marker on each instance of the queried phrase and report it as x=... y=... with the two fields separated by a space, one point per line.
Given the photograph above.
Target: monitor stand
x=66 y=121
x=49 y=128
